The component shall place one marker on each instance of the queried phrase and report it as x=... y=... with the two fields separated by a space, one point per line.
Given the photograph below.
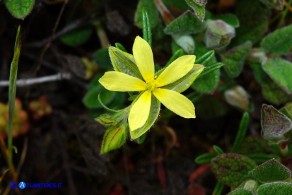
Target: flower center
x=151 y=85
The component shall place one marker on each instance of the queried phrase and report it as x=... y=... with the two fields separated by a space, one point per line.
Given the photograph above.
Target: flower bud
x=186 y=42
x=218 y=34
x=237 y=97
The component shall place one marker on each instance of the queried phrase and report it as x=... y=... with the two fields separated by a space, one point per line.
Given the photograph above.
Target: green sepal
x=185 y=82
x=124 y=62
x=114 y=137
x=153 y=115
x=117 y=129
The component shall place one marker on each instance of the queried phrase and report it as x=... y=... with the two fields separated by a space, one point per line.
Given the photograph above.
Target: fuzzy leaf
x=273 y=188
x=287 y=110
x=269 y=171
x=254 y=20
x=272 y=93
x=231 y=168
x=19 y=8
x=280 y=71
x=234 y=58
x=187 y=23
x=241 y=191
x=208 y=80
x=151 y=10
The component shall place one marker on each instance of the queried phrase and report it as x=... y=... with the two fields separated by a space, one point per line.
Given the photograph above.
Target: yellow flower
x=151 y=85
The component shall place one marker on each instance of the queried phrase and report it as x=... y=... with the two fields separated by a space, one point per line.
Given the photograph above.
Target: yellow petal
x=175 y=102
x=118 y=81
x=139 y=111
x=176 y=70
x=144 y=58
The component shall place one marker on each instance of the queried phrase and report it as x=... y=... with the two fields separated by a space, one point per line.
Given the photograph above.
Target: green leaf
x=176 y=5
x=199 y=7
x=253 y=34
x=90 y=99
x=254 y=21
x=206 y=57
x=205 y=158
x=218 y=189
x=12 y=94
x=124 y=62
x=241 y=132
x=279 y=41
x=76 y=37
x=269 y=171
x=146 y=27
x=247 y=188
x=208 y=80
x=281 y=188
x=102 y=59
x=241 y=191
x=19 y=8
x=259 y=74
x=231 y=169
x=187 y=23
x=272 y=93
x=270 y=90
x=217 y=149
x=234 y=59
x=280 y=71
x=149 y=7
x=114 y=137
x=287 y=110
x=153 y=115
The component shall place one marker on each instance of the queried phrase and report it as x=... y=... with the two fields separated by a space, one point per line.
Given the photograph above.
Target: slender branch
x=33 y=81
x=49 y=42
